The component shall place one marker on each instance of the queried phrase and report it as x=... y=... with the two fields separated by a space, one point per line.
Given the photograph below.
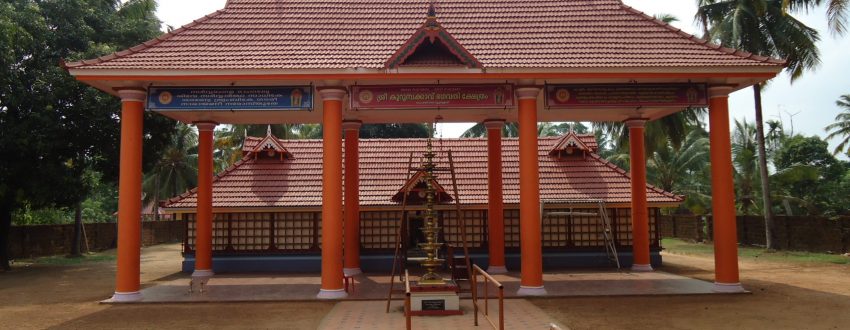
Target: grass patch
x=677 y=246
x=65 y=260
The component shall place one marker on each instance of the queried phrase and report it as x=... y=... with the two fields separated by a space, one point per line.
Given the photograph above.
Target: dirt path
x=65 y=296
x=785 y=296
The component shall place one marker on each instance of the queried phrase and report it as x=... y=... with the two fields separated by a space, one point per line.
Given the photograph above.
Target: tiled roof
x=344 y=34
x=297 y=182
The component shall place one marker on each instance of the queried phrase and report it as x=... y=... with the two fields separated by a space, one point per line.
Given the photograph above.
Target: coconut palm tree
x=670 y=167
x=841 y=126
x=745 y=163
x=176 y=171
x=762 y=27
x=837 y=11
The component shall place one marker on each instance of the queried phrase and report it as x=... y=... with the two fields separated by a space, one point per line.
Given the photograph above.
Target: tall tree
x=745 y=163
x=52 y=128
x=762 y=27
x=841 y=127
x=176 y=171
x=837 y=11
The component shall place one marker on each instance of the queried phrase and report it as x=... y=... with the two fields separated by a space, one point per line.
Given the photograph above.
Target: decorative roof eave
x=569 y=140
x=414 y=181
x=271 y=142
x=431 y=30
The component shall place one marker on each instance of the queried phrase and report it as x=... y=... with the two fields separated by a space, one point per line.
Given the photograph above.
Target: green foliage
x=810 y=178
x=762 y=27
x=393 y=131
x=837 y=11
x=745 y=163
x=841 y=127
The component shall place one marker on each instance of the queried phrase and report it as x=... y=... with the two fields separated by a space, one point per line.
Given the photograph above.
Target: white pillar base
x=497 y=270
x=332 y=294
x=728 y=288
x=531 y=291
x=352 y=271
x=121 y=297
x=202 y=273
x=637 y=268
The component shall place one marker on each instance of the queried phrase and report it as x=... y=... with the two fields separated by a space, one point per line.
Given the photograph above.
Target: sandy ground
x=785 y=296
x=66 y=297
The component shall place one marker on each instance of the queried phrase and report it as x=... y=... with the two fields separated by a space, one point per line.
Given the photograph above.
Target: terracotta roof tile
x=341 y=34
x=297 y=182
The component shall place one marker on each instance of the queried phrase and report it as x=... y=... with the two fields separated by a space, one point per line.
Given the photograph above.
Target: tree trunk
x=5 y=228
x=769 y=224
x=78 y=230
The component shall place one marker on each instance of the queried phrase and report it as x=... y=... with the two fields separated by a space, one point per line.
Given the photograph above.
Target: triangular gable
x=432 y=45
x=270 y=142
x=569 y=144
x=417 y=184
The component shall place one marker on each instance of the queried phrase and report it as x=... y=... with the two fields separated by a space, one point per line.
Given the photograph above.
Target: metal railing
x=487 y=281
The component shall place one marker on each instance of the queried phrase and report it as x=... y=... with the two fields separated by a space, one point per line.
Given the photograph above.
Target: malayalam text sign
x=230 y=98
x=432 y=96
x=626 y=95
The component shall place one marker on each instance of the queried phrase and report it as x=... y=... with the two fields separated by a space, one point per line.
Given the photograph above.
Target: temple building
x=346 y=62
x=267 y=206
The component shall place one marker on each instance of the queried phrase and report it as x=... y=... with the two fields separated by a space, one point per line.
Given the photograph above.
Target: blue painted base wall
x=383 y=263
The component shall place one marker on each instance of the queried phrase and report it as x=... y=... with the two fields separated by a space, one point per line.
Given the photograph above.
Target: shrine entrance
x=411 y=63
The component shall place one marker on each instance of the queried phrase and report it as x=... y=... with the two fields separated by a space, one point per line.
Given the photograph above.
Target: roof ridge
x=706 y=43
x=143 y=46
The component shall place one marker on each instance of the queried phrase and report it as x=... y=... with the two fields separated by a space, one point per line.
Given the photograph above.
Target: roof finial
x=432 y=15
x=269 y=130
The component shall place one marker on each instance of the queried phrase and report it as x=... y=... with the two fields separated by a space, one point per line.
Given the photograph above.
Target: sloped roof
x=260 y=183
x=345 y=34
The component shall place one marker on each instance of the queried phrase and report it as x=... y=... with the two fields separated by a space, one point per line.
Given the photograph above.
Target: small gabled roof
x=569 y=140
x=417 y=179
x=268 y=142
x=432 y=45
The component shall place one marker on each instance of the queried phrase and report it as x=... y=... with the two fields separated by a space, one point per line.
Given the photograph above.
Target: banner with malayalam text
x=230 y=98
x=432 y=96
x=626 y=95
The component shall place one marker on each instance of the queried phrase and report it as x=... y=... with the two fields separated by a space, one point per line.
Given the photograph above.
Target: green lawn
x=677 y=246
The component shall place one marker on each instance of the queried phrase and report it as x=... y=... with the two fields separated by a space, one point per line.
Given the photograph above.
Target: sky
x=804 y=107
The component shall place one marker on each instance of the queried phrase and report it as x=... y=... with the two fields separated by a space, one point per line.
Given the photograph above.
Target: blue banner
x=230 y=98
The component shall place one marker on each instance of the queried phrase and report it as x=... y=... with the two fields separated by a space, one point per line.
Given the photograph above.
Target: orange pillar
x=130 y=196
x=351 y=265
x=204 y=217
x=531 y=248
x=496 y=208
x=640 y=211
x=332 y=263
x=723 y=193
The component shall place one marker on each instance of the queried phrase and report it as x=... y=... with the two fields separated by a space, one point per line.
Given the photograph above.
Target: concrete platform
x=289 y=287
x=519 y=314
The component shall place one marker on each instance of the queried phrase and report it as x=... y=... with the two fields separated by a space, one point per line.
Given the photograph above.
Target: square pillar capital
x=351 y=125
x=336 y=93
x=132 y=94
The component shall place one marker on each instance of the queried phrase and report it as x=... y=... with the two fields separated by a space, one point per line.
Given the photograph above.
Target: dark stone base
x=383 y=263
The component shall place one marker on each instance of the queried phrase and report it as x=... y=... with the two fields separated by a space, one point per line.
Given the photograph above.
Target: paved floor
x=519 y=314
x=233 y=288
